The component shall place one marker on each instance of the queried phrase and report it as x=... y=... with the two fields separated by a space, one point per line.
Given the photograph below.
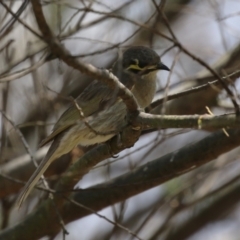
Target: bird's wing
x=92 y=100
x=67 y=119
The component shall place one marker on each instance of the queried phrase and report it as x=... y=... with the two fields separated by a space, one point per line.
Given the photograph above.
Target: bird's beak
x=161 y=66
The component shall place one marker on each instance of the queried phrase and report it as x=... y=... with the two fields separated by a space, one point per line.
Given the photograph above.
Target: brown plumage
x=102 y=109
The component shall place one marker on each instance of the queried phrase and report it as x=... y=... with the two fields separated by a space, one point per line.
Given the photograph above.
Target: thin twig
x=103 y=217
x=189 y=91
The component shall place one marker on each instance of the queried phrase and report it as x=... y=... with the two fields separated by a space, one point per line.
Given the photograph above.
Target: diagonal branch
x=59 y=50
x=129 y=136
x=143 y=178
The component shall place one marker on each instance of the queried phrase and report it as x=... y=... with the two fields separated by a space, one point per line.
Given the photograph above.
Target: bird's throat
x=145 y=89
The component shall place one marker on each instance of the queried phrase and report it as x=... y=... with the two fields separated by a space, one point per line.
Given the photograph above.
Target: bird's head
x=142 y=60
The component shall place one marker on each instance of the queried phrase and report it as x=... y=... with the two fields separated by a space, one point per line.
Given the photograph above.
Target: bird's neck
x=145 y=89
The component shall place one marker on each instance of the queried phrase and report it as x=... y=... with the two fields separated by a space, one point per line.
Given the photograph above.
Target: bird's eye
x=134 y=66
x=134 y=62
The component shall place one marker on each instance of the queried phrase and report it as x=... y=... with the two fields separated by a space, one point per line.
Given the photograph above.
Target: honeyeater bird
x=101 y=108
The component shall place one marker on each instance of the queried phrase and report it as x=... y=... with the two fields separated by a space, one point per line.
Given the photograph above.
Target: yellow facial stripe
x=136 y=67
x=132 y=66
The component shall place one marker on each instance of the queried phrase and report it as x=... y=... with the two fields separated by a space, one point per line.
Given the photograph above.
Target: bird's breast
x=145 y=89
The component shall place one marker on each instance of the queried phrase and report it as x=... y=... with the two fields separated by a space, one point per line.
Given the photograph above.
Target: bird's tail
x=48 y=159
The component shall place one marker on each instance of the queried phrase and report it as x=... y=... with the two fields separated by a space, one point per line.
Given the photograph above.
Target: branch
x=101 y=75
x=208 y=210
x=143 y=178
x=17 y=168
x=206 y=121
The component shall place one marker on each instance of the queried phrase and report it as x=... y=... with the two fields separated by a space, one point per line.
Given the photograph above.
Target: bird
x=98 y=114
